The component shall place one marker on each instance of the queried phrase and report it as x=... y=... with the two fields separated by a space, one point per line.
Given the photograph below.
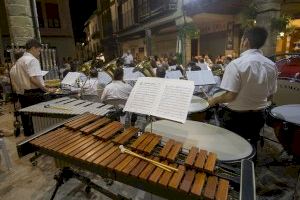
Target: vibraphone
x=92 y=143
x=48 y=113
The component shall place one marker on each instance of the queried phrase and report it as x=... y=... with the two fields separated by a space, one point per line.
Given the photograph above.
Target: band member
x=249 y=81
x=29 y=81
x=117 y=89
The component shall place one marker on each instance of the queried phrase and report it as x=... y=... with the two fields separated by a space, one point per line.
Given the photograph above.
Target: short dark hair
x=161 y=72
x=257 y=36
x=118 y=74
x=32 y=43
x=94 y=73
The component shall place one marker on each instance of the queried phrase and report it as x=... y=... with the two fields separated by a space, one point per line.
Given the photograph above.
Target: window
x=52 y=15
x=40 y=14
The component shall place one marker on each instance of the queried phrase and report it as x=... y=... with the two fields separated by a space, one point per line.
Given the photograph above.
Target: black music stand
x=67 y=173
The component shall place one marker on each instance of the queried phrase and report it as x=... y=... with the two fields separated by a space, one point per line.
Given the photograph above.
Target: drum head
x=198 y=104
x=228 y=146
x=288 y=113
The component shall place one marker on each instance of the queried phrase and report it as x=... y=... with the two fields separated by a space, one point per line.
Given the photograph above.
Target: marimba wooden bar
x=95 y=141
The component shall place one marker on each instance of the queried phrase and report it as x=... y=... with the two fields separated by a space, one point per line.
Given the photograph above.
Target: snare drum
x=285 y=121
x=197 y=109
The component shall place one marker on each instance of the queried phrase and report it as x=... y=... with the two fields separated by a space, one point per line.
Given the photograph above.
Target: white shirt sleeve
x=231 y=79
x=34 y=68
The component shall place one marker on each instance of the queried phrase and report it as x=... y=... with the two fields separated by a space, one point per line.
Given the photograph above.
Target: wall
x=65 y=46
x=164 y=44
x=213 y=44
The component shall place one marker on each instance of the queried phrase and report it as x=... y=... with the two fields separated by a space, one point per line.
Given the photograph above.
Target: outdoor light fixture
x=281 y=34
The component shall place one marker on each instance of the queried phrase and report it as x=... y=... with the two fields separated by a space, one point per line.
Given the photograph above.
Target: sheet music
x=174 y=74
x=202 y=77
x=175 y=100
x=130 y=75
x=166 y=98
x=143 y=96
x=104 y=78
x=70 y=78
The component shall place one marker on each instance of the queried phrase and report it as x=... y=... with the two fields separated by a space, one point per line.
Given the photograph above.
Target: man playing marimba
x=249 y=81
x=28 y=79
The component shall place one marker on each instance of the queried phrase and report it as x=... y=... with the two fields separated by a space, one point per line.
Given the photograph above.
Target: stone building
x=150 y=27
x=49 y=20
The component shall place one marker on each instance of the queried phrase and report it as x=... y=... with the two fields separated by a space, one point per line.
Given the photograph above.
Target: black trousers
x=29 y=98
x=246 y=124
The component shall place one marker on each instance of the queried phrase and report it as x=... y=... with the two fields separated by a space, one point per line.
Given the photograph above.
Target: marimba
x=92 y=143
x=51 y=112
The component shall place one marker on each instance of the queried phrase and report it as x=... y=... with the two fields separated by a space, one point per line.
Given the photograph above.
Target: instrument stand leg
x=66 y=173
x=34 y=158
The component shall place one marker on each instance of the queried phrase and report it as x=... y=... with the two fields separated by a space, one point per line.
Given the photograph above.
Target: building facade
x=49 y=20
x=154 y=27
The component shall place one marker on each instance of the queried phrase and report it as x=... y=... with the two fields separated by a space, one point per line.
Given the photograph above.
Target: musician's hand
x=51 y=90
x=211 y=102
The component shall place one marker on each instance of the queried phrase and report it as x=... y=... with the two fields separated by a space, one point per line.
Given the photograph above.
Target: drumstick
x=205 y=93
x=158 y=164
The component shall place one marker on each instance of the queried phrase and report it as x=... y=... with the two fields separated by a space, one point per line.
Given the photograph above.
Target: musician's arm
x=36 y=80
x=224 y=98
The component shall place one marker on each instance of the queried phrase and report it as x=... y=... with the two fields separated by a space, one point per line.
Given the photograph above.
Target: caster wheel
x=88 y=189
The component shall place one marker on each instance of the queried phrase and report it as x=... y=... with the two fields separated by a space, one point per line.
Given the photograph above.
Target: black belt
x=245 y=111
x=37 y=90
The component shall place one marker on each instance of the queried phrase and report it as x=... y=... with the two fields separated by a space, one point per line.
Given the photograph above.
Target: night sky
x=81 y=10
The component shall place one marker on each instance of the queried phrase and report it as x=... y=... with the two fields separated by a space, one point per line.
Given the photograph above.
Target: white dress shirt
x=128 y=58
x=116 y=90
x=91 y=86
x=27 y=66
x=253 y=77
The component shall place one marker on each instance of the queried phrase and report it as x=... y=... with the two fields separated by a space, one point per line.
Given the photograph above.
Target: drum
x=285 y=121
x=289 y=68
x=198 y=108
x=228 y=146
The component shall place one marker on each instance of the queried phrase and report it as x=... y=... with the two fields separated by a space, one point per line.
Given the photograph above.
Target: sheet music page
x=175 y=100
x=104 y=78
x=130 y=75
x=70 y=78
x=202 y=77
x=144 y=95
x=173 y=74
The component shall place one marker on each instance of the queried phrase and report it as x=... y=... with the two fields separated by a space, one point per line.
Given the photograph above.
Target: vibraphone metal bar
x=80 y=143
x=58 y=110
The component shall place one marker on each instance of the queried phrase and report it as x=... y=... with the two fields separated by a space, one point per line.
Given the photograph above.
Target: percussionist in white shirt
x=117 y=89
x=249 y=81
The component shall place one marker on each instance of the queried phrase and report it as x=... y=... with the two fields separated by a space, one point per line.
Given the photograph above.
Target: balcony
x=148 y=9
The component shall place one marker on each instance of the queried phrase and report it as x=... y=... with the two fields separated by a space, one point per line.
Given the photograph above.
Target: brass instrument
x=146 y=68
x=110 y=67
x=217 y=70
x=86 y=68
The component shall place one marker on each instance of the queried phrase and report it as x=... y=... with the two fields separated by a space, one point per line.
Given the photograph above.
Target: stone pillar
x=267 y=10
x=148 y=39
x=187 y=50
x=20 y=21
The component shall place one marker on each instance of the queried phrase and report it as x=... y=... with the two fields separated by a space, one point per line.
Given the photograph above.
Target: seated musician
x=117 y=89
x=91 y=86
x=161 y=72
x=249 y=81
